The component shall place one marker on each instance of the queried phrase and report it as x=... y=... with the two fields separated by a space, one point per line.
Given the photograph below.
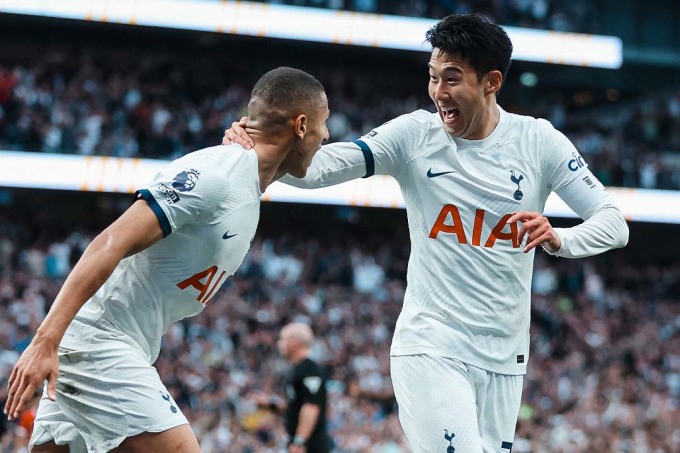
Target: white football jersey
x=208 y=205
x=468 y=281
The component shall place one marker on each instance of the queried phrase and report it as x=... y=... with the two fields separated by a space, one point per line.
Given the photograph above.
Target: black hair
x=485 y=45
x=286 y=86
x=281 y=92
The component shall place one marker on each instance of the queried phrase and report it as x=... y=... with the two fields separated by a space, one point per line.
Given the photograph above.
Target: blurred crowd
x=604 y=373
x=559 y=15
x=115 y=104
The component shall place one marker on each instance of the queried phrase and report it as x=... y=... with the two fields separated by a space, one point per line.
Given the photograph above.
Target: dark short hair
x=283 y=92
x=485 y=45
x=286 y=86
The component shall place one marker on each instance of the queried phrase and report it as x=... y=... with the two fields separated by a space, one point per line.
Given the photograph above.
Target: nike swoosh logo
x=434 y=175
x=228 y=236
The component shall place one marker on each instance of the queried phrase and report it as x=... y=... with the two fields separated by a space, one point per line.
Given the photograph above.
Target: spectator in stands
x=208 y=368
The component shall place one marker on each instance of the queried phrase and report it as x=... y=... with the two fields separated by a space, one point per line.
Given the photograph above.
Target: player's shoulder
x=528 y=123
x=417 y=118
x=215 y=160
x=421 y=117
x=207 y=169
x=215 y=156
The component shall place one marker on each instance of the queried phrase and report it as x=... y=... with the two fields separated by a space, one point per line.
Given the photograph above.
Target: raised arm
x=336 y=163
x=135 y=230
x=384 y=151
x=332 y=164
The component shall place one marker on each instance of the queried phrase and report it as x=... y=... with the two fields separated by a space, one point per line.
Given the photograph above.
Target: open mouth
x=450 y=114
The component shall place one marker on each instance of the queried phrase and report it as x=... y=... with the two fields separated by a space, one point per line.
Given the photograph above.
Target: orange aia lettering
x=455 y=226
x=440 y=225
x=497 y=232
x=205 y=288
x=477 y=230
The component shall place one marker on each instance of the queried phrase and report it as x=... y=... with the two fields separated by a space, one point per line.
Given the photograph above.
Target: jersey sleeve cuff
x=146 y=195
x=559 y=252
x=368 y=155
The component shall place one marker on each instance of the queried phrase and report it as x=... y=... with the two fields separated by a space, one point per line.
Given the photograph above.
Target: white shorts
x=448 y=406
x=103 y=397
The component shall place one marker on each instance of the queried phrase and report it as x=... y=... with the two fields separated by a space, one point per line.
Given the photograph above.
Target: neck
x=494 y=116
x=298 y=356
x=271 y=151
x=488 y=122
x=269 y=164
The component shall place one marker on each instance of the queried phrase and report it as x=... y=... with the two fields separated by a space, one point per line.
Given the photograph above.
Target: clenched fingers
x=537 y=230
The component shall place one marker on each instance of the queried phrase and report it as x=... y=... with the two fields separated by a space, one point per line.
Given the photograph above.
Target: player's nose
x=440 y=92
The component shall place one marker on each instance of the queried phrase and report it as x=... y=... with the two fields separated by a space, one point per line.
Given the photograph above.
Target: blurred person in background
x=304 y=409
x=475 y=181
x=161 y=261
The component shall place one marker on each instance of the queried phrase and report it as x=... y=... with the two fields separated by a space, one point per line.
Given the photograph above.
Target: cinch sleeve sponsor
x=570 y=177
x=562 y=163
x=604 y=226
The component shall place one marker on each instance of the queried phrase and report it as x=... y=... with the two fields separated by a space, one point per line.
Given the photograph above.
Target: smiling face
x=466 y=104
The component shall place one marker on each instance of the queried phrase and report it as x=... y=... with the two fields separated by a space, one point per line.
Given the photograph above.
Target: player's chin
x=299 y=173
x=451 y=130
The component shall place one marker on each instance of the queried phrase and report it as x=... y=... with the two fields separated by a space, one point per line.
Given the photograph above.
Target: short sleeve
x=310 y=388
x=186 y=191
x=388 y=147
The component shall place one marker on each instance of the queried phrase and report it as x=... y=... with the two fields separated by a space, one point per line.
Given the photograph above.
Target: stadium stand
x=603 y=374
x=80 y=104
x=97 y=98
x=572 y=16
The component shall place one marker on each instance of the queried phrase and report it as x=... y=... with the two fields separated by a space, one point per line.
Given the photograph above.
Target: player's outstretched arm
x=333 y=164
x=135 y=230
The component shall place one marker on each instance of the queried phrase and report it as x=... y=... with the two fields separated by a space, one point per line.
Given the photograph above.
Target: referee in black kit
x=305 y=407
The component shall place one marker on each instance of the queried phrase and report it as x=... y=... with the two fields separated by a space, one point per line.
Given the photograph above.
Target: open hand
x=39 y=362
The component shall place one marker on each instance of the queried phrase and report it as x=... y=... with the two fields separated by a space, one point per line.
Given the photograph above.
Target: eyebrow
x=447 y=68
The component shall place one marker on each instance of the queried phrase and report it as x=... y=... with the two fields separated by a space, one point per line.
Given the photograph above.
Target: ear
x=493 y=82
x=301 y=126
